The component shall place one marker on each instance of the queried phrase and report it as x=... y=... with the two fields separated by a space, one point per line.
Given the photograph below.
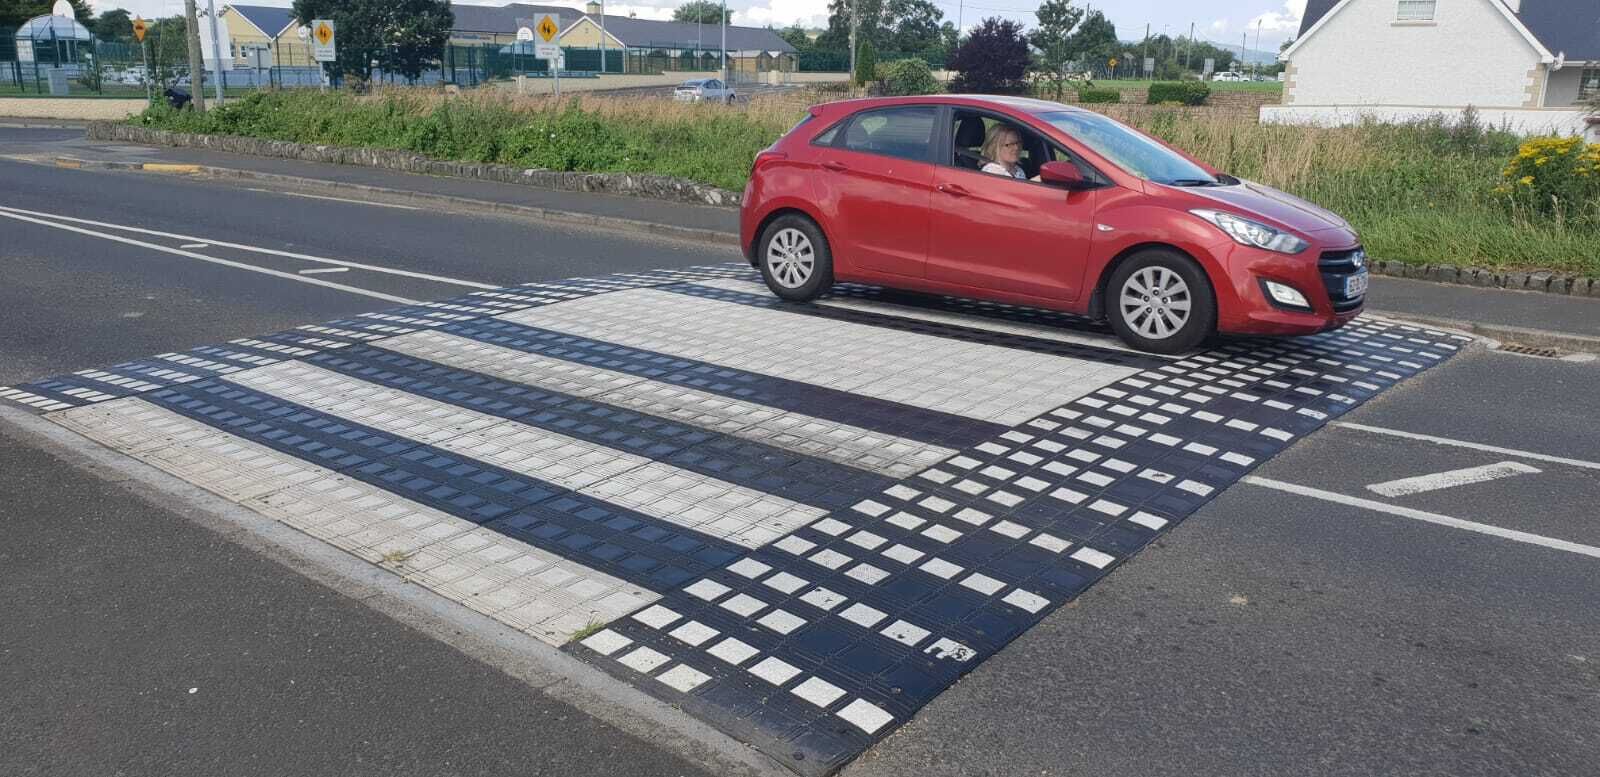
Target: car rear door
x=874 y=185
x=997 y=233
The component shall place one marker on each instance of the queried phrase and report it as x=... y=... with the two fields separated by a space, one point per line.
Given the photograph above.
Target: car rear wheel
x=1161 y=301
x=794 y=259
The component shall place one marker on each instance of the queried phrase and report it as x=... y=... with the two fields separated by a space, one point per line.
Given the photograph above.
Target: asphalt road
x=1301 y=624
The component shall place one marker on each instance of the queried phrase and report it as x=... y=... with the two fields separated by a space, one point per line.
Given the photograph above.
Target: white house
x=1530 y=64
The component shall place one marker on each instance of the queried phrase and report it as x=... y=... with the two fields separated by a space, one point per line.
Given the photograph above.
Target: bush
x=1099 y=96
x=905 y=77
x=866 y=64
x=1181 y=92
x=1556 y=178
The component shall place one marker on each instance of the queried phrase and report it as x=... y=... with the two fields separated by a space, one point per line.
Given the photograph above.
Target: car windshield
x=1129 y=150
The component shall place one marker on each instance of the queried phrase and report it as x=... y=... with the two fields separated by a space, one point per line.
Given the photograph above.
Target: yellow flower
x=1540 y=161
x=1526 y=180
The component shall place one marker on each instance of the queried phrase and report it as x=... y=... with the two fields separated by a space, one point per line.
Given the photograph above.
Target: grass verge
x=1420 y=192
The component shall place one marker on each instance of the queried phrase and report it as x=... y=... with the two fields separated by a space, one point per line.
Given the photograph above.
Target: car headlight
x=1252 y=233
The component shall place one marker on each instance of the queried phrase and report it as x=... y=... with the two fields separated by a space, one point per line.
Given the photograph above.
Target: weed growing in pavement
x=587 y=631
x=1420 y=192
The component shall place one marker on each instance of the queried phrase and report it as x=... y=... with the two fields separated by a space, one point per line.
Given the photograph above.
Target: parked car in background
x=1227 y=75
x=704 y=90
x=1098 y=219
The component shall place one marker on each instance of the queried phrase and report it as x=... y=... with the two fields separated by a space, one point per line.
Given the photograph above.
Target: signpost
x=547 y=45
x=140 y=27
x=524 y=35
x=324 y=45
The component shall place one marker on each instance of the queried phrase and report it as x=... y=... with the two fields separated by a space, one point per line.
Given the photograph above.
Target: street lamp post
x=216 y=48
x=724 y=44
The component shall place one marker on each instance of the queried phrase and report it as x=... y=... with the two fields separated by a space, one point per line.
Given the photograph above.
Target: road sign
x=304 y=32
x=549 y=27
x=324 y=46
x=1211 y=65
x=525 y=33
x=140 y=27
x=1112 y=62
x=1149 y=64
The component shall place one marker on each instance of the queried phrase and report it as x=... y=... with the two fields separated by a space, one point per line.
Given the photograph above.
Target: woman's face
x=1010 y=148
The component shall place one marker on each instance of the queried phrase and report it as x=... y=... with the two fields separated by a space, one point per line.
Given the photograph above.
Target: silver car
x=704 y=90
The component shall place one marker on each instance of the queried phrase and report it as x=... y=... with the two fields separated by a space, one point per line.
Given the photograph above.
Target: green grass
x=1419 y=193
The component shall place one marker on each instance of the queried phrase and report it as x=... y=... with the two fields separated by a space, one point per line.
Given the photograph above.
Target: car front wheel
x=1161 y=301
x=794 y=259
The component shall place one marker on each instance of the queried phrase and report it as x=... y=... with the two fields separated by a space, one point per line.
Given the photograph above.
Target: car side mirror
x=1064 y=175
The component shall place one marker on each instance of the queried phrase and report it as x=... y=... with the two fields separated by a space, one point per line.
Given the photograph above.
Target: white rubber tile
x=524 y=587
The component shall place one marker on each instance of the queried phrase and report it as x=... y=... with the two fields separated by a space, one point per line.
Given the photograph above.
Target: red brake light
x=769 y=156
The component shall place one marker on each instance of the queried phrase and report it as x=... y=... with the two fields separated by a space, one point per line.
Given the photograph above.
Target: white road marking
x=1421 y=515
x=1473 y=445
x=1452 y=478
x=335 y=199
x=213 y=260
x=196 y=245
x=322 y=270
x=257 y=249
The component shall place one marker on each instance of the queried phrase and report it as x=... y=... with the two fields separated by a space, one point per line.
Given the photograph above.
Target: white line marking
x=1420 y=515
x=1473 y=445
x=268 y=251
x=1452 y=478
x=324 y=270
x=196 y=245
x=202 y=257
x=334 y=199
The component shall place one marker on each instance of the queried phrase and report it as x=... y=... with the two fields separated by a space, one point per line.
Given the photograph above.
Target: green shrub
x=866 y=64
x=1182 y=92
x=1099 y=96
x=905 y=77
x=1554 y=178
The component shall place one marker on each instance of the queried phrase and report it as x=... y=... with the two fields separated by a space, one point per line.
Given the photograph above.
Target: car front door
x=996 y=233
x=875 y=182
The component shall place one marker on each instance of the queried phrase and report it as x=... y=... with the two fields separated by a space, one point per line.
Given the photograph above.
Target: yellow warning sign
x=548 y=29
x=139 y=29
x=324 y=33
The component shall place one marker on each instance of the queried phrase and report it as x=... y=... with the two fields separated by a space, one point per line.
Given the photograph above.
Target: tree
x=113 y=25
x=14 y=12
x=402 y=36
x=1095 y=42
x=796 y=36
x=905 y=77
x=905 y=26
x=866 y=64
x=703 y=11
x=1053 y=39
x=994 y=59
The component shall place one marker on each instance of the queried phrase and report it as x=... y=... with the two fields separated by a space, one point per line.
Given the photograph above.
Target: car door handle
x=953 y=190
x=837 y=167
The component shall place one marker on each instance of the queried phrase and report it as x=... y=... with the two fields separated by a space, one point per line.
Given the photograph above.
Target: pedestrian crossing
x=799 y=523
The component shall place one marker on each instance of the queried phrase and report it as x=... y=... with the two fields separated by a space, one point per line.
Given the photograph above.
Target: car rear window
x=904 y=132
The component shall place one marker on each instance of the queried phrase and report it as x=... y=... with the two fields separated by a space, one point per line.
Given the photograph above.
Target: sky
x=1222 y=21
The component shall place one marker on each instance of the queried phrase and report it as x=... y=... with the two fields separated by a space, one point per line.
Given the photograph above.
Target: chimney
x=592 y=9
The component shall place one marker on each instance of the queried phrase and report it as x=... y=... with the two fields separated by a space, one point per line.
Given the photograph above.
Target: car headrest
x=969 y=132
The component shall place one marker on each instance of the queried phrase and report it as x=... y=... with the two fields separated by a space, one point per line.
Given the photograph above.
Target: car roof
x=1018 y=104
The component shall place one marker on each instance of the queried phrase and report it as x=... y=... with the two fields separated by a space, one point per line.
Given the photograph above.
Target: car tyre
x=794 y=258
x=1161 y=301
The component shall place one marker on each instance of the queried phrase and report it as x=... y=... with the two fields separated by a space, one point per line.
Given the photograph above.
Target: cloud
x=1220 y=25
x=782 y=13
x=1286 y=20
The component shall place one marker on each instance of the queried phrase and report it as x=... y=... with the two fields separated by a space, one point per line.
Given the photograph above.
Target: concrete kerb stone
x=653 y=186
x=1541 y=281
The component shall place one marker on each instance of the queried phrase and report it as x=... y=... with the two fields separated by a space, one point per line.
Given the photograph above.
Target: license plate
x=1355 y=285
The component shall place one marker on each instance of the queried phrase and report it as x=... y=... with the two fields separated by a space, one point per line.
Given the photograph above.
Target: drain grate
x=1526 y=350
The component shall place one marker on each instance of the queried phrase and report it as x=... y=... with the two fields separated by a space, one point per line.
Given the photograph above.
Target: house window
x=1415 y=10
x=1589 y=83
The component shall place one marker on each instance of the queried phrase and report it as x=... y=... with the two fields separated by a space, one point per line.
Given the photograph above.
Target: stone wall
x=656 y=186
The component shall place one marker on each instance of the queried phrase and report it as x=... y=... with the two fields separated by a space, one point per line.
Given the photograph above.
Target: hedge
x=1181 y=92
x=1099 y=96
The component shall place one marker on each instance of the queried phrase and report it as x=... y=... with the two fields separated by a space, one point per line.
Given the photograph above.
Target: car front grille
x=1335 y=267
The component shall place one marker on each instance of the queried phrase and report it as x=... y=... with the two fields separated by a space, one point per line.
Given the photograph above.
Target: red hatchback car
x=1084 y=215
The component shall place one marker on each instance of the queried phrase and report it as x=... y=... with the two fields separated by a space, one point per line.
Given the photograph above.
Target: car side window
x=905 y=132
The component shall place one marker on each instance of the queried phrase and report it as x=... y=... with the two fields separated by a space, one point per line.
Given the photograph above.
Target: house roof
x=649 y=33
x=268 y=19
x=1570 y=27
x=502 y=19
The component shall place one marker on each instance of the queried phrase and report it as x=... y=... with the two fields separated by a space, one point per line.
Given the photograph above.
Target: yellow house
x=265 y=36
